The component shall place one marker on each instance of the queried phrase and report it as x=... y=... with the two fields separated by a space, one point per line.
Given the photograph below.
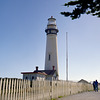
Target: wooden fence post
x=14 y=89
x=43 y=88
x=9 y=89
x=6 y=91
x=17 y=93
x=21 y=89
x=26 y=89
x=0 y=88
x=3 y=91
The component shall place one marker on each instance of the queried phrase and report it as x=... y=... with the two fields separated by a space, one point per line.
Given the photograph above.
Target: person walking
x=96 y=86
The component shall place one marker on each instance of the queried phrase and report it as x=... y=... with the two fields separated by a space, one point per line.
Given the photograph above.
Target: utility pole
x=66 y=56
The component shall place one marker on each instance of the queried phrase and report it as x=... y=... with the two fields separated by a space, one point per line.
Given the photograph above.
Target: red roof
x=33 y=73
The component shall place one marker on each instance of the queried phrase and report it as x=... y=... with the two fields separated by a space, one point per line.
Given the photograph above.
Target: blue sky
x=23 y=39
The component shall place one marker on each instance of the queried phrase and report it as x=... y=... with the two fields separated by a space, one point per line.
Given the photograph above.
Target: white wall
x=36 y=76
x=51 y=48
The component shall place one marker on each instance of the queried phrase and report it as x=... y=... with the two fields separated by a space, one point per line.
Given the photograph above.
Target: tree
x=83 y=7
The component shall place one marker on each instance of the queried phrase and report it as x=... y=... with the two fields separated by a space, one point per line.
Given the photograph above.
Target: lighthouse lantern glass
x=51 y=22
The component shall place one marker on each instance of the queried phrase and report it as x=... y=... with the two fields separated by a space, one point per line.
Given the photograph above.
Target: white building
x=36 y=75
x=40 y=74
x=51 y=57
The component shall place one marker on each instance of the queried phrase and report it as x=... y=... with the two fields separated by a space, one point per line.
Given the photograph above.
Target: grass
x=60 y=96
x=56 y=99
x=53 y=99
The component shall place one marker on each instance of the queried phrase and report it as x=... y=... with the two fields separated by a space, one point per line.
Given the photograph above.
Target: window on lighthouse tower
x=48 y=31
x=53 y=31
x=49 y=57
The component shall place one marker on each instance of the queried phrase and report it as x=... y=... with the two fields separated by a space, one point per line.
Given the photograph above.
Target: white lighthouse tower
x=51 y=57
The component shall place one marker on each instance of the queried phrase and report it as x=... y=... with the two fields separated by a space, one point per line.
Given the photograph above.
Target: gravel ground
x=83 y=96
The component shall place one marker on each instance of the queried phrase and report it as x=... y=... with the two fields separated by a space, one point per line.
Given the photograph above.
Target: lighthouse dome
x=51 y=26
x=51 y=23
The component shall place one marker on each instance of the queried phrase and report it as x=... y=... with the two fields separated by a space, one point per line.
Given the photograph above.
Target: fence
x=18 y=89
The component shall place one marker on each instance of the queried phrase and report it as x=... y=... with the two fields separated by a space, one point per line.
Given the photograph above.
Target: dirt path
x=83 y=96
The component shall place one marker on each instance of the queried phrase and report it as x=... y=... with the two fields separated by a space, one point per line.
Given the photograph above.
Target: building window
x=32 y=77
x=48 y=31
x=53 y=31
x=26 y=78
x=49 y=57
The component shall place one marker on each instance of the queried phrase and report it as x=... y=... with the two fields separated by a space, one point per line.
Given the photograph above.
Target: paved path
x=83 y=96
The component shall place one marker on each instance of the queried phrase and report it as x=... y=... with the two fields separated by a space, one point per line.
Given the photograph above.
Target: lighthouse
x=51 y=57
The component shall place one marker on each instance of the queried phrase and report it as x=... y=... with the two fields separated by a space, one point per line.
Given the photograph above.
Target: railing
x=18 y=89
